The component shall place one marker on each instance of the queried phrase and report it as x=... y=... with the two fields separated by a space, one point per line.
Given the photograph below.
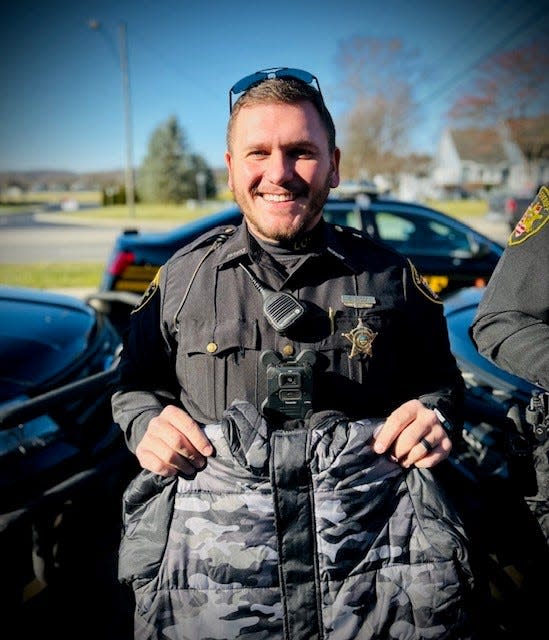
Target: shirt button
x=288 y=349
x=211 y=347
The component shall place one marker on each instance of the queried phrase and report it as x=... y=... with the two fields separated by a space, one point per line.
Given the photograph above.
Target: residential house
x=526 y=143
x=514 y=156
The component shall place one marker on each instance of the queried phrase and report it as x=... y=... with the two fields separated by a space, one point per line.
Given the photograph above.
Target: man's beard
x=314 y=206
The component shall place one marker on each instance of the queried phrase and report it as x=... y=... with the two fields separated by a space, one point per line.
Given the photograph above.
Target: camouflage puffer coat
x=295 y=534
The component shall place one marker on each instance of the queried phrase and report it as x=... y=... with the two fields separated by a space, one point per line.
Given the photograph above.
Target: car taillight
x=121 y=262
x=511 y=205
x=480 y=282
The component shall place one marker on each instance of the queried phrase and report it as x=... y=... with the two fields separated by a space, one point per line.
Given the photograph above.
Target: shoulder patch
x=532 y=219
x=149 y=292
x=422 y=286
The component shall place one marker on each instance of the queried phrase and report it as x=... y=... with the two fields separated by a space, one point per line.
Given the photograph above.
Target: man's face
x=280 y=168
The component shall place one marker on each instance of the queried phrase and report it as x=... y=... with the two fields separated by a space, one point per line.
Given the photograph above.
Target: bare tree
x=510 y=84
x=379 y=78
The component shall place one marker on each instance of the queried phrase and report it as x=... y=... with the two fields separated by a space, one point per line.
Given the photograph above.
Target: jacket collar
x=240 y=244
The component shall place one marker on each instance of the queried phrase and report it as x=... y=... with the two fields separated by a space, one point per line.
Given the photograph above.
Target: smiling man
x=287 y=313
x=195 y=343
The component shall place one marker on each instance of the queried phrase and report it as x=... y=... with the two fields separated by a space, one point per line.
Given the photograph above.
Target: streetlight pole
x=123 y=52
x=130 y=187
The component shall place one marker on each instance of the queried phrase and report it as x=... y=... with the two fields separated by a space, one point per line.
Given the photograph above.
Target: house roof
x=531 y=135
x=479 y=145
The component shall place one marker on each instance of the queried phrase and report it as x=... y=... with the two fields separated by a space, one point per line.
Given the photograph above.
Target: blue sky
x=61 y=100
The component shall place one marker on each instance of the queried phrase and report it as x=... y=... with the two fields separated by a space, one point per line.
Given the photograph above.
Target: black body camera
x=289 y=385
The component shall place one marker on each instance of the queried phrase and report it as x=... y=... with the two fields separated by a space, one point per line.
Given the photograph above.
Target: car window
x=421 y=236
x=344 y=216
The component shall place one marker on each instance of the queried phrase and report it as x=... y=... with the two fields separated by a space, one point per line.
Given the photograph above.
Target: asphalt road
x=58 y=237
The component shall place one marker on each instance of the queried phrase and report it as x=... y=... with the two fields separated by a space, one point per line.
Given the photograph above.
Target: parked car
x=491 y=391
x=63 y=465
x=510 y=206
x=489 y=473
x=447 y=252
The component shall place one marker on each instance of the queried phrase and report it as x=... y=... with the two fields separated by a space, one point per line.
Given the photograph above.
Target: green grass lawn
x=48 y=275
x=460 y=208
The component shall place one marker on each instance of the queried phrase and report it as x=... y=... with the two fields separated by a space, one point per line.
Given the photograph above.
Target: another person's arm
x=511 y=326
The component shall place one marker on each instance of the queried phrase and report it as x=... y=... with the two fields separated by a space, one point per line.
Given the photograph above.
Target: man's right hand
x=173 y=443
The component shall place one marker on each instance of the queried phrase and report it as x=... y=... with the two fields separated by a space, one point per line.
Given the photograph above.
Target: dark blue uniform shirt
x=197 y=337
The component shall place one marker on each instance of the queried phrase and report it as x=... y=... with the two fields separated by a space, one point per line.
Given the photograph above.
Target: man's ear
x=229 y=164
x=334 y=179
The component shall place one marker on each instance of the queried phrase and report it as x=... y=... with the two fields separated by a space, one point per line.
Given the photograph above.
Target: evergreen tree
x=200 y=178
x=164 y=174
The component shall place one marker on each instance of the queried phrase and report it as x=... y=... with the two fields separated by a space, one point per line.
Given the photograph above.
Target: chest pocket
x=366 y=343
x=216 y=365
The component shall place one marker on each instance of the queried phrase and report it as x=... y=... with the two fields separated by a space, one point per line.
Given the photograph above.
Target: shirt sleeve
x=511 y=325
x=439 y=381
x=146 y=379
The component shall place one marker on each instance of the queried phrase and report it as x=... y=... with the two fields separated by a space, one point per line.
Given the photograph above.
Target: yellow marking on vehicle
x=437 y=283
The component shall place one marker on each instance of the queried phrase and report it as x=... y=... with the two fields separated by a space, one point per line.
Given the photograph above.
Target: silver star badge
x=361 y=338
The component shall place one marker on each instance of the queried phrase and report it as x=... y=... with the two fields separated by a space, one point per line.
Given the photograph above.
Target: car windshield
x=37 y=341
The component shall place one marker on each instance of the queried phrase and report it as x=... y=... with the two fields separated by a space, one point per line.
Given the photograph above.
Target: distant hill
x=45 y=179
x=55 y=180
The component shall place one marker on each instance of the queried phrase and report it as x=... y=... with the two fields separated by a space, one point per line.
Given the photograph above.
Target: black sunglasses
x=266 y=74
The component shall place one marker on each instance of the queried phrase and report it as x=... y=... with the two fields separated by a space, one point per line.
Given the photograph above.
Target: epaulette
x=206 y=239
x=351 y=231
x=359 y=235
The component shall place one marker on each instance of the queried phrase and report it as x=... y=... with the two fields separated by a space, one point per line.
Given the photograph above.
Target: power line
x=499 y=45
x=457 y=46
x=189 y=79
x=505 y=40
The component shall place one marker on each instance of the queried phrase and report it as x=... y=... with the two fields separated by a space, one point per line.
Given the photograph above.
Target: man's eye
x=303 y=153
x=257 y=153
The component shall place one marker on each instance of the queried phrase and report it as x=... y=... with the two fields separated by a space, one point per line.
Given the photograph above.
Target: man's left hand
x=413 y=435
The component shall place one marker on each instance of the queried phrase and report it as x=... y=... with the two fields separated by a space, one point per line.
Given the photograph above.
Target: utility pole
x=130 y=185
x=123 y=54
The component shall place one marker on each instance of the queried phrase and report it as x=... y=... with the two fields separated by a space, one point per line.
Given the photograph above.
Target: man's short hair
x=288 y=91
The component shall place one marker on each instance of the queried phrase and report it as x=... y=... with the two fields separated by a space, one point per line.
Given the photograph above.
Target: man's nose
x=280 y=167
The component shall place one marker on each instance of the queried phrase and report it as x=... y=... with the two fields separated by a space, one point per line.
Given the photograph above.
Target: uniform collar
x=240 y=244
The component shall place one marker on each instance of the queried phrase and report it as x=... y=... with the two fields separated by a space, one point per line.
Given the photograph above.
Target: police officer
x=285 y=281
x=511 y=326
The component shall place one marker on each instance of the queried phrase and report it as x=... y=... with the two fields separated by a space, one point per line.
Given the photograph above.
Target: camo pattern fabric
x=297 y=534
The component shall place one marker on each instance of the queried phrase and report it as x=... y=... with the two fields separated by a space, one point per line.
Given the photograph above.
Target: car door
x=445 y=254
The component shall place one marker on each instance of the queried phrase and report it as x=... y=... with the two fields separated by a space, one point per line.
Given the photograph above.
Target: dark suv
x=449 y=253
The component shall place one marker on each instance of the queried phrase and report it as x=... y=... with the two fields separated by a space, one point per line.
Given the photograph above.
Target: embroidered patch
x=532 y=220
x=422 y=285
x=149 y=293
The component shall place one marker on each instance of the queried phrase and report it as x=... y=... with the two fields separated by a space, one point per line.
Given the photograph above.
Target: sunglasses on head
x=266 y=74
